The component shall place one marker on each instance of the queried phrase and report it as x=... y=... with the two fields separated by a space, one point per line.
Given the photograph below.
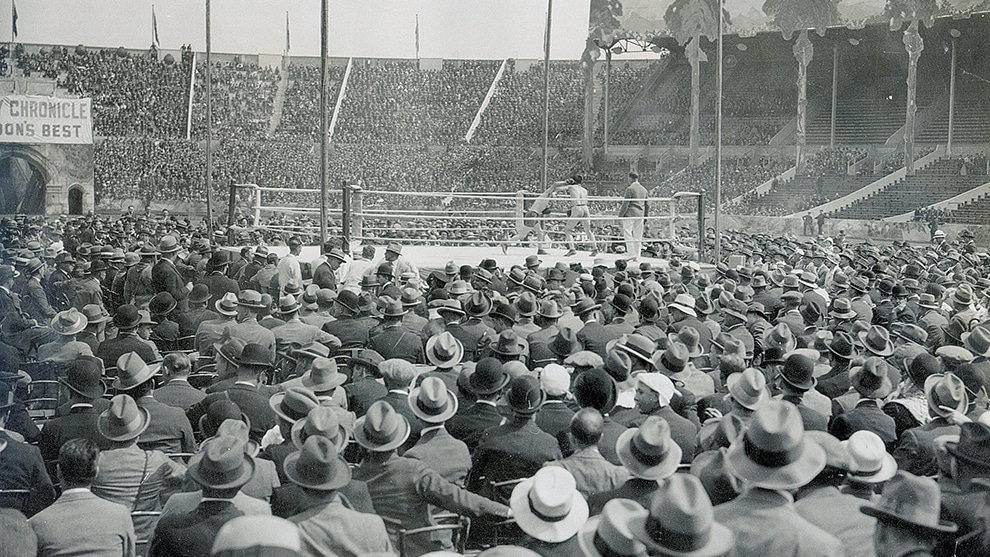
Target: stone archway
x=24 y=179
x=76 y=200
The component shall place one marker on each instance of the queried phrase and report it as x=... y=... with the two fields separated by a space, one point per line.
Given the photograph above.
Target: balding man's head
x=586 y=426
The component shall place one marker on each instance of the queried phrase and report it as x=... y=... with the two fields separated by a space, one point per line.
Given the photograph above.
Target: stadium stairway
x=279 y=103
x=936 y=182
x=795 y=195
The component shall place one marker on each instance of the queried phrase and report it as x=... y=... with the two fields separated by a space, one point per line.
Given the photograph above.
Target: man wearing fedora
x=325 y=268
x=403 y=488
x=649 y=455
x=79 y=522
x=216 y=279
x=516 y=449
x=294 y=333
x=165 y=275
x=211 y=331
x=871 y=381
x=593 y=334
x=445 y=352
x=327 y=526
x=908 y=518
x=95 y=331
x=66 y=348
x=967 y=506
x=253 y=360
x=486 y=384
x=917 y=449
x=394 y=340
x=472 y=332
x=34 y=301
x=680 y=522
x=220 y=468
x=85 y=391
x=795 y=379
x=126 y=320
x=433 y=403
x=774 y=457
x=352 y=330
x=247 y=328
x=169 y=429
x=133 y=477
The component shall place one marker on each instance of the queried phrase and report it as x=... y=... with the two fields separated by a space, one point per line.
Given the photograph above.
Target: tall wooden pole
x=546 y=96
x=718 y=139
x=835 y=94
x=324 y=139
x=952 y=95
x=209 y=129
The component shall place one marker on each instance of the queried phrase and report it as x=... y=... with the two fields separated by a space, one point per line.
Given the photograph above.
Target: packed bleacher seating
x=243 y=97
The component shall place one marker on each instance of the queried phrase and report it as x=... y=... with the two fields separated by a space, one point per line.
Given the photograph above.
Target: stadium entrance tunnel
x=23 y=181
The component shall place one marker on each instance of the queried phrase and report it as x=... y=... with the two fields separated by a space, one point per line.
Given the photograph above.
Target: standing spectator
x=633 y=213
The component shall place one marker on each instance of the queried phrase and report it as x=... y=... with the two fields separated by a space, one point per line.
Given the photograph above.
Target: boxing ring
x=436 y=227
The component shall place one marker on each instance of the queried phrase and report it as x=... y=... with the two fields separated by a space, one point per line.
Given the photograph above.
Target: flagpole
x=209 y=130
x=546 y=97
x=324 y=139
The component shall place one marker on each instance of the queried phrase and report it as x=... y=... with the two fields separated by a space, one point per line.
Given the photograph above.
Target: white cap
x=555 y=380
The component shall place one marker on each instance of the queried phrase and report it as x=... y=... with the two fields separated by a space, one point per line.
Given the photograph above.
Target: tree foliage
x=688 y=19
x=900 y=11
x=604 y=20
x=791 y=16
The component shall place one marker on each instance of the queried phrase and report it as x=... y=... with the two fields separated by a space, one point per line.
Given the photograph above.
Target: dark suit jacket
x=916 y=451
x=554 y=417
x=594 y=336
x=472 y=422
x=812 y=420
x=610 y=435
x=166 y=278
x=219 y=285
x=21 y=467
x=441 y=452
x=566 y=548
x=834 y=383
x=397 y=342
x=363 y=394
x=288 y=499
x=704 y=333
x=249 y=399
x=179 y=394
x=111 y=350
x=682 y=431
x=169 y=430
x=515 y=450
x=637 y=489
x=80 y=422
x=192 y=534
x=352 y=332
x=865 y=416
x=99 y=405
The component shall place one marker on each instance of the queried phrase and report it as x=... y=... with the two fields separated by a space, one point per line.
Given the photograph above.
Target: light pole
x=835 y=87
x=954 y=33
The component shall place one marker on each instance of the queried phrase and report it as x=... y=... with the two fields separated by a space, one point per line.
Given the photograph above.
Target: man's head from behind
x=586 y=427
x=77 y=463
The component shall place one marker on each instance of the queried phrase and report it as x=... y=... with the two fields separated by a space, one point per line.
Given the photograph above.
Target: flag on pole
x=154 y=27
x=417 y=36
x=286 y=31
x=13 y=16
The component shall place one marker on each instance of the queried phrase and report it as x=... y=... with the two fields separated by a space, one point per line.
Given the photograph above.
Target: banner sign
x=34 y=119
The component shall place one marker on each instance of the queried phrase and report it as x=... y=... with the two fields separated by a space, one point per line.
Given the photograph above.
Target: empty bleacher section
x=941 y=180
x=739 y=175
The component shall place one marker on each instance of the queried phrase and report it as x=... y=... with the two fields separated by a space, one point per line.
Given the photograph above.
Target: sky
x=469 y=29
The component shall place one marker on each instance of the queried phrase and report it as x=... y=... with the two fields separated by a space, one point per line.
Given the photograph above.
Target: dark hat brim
x=246 y=472
x=340 y=476
x=882 y=515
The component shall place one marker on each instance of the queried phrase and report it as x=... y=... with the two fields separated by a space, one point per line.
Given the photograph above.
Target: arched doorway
x=75 y=201
x=22 y=181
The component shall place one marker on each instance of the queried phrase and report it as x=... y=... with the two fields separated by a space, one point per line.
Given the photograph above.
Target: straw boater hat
x=123 y=420
x=684 y=303
x=911 y=503
x=681 y=522
x=381 y=429
x=444 y=350
x=227 y=304
x=432 y=402
x=773 y=452
x=649 y=452
x=548 y=506
x=869 y=461
x=611 y=534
